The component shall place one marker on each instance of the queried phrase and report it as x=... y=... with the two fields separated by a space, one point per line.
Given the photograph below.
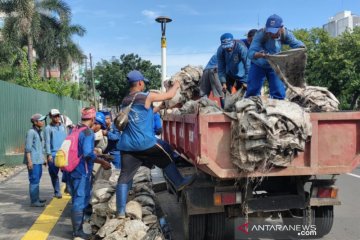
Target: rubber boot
x=175 y=177
x=121 y=197
x=34 y=196
x=77 y=221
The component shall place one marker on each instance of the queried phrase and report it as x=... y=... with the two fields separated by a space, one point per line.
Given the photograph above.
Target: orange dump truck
x=302 y=193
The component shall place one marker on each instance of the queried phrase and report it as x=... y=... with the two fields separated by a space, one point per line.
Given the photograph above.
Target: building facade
x=341 y=22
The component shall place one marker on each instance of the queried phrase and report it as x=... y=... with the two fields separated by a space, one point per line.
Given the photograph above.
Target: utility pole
x=87 y=83
x=163 y=20
x=92 y=81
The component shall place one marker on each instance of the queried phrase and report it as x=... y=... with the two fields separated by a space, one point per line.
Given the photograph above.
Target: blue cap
x=273 y=23
x=227 y=40
x=100 y=119
x=135 y=76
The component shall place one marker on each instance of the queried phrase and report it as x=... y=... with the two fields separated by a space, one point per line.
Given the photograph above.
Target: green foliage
x=112 y=76
x=334 y=63
x=44 y=26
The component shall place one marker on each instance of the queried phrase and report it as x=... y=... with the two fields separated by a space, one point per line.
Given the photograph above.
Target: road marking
x=44 y=224
x=354 y=175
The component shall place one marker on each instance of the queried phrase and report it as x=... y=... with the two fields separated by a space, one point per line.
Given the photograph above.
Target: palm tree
x=67 y=51
x=24 y=18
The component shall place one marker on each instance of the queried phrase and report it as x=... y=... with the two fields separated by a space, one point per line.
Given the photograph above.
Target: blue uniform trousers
x=34 y=179
x=80 y=192
x=117 y=159
x=256 y=79
x=54 y=172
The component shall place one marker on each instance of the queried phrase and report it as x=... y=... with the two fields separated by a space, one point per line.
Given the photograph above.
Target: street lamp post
x=163 y=20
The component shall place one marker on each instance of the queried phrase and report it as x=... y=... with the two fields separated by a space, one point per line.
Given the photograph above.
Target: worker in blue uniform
x=34 y=158
x=268 y=41
x=249 y=37
x=55 y=134
x=113 y=136
x=233 y=64
x=79 y=177
x=138 y=144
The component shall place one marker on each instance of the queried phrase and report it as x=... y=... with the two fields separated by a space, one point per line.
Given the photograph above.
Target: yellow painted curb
x=44 y=224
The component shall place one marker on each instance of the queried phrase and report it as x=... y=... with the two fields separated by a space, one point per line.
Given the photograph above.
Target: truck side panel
x=205 y=140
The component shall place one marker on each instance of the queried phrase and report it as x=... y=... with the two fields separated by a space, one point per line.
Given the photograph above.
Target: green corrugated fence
x=17 y=104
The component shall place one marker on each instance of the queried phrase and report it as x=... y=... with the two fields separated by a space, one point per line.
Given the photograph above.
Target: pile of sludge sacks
x=141 y=221
x=264 y=132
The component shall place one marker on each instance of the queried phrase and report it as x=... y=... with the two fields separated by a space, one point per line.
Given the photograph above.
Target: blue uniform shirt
x=54 y=137
x=139 y=133
x=34 y=145
x=157 y=124
x=271 y=46
x=113 y=138
x=86 y=153
x=234 y=64
x=212 y=63
x=245 y=41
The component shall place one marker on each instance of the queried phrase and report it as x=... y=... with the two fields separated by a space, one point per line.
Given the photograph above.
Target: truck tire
x=324 y=219
x=215 y=226
x=194 y=225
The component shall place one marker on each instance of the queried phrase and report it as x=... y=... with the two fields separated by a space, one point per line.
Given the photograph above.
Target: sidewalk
x=16 y=215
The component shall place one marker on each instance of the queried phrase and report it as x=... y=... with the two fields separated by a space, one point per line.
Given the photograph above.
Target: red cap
x=88 y=113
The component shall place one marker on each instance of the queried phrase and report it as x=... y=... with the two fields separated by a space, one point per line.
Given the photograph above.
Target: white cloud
x=150 y=14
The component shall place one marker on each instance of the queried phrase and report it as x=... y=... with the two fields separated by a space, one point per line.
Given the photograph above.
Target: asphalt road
x=346 y=223
x=16 y=217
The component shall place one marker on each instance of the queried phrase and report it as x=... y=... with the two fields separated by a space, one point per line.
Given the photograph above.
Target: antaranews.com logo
x=248 y=230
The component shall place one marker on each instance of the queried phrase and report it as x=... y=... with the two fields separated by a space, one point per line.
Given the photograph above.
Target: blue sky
x=115 y=27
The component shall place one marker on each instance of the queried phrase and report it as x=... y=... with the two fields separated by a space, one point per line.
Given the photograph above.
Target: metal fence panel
x=17 y=104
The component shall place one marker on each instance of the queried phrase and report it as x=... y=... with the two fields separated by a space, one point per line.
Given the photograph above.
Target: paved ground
x=16 y=217
x=347 y=216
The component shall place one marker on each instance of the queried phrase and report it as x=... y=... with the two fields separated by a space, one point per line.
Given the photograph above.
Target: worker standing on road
x=268 y=41
x=34 y=158
x=79 y=177
x=233 y=64
x=55 y=134
x=138 y=143
x=210 y=80
x=250 y=35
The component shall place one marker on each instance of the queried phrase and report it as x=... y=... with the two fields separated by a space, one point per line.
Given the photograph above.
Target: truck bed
x=205 y=140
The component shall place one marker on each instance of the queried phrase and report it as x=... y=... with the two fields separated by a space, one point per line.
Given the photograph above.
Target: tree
x=24 y=18
x=334 y=63
x=112 y=76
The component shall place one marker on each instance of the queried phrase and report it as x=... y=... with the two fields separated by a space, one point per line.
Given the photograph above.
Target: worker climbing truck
x=303 y=193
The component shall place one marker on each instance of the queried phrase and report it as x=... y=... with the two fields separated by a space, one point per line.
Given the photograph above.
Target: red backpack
x=67 y=157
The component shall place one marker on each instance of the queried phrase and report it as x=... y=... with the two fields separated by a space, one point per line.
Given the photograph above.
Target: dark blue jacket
x=234 y=64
